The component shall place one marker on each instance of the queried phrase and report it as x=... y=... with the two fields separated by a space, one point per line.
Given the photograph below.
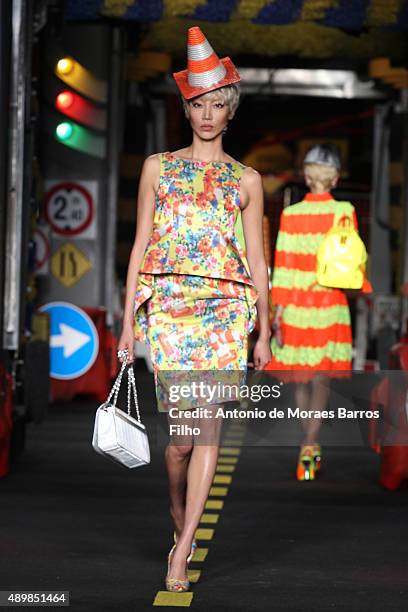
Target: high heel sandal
x=193 y=547
x=175 y=584
x=306 y=467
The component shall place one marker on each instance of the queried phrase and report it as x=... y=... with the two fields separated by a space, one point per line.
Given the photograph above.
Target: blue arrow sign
x=74 y=341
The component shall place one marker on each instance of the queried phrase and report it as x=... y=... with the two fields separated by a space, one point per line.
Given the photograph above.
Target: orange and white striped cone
x=205 y=71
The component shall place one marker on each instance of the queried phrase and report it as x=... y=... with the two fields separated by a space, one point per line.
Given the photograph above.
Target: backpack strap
x=342 y=221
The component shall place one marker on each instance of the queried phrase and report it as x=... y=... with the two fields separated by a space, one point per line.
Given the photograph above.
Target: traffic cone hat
x=205 y=71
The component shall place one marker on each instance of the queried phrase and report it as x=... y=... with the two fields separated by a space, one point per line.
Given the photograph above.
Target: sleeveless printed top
x=196 y=214
x=197 y=207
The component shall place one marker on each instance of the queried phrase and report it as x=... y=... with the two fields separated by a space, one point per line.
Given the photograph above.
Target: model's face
x=208 y=116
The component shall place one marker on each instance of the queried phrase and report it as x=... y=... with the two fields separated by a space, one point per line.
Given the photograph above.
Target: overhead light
x=308 y=82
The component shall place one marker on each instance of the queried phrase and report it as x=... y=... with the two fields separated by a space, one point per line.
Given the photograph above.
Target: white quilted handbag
x=117 y=435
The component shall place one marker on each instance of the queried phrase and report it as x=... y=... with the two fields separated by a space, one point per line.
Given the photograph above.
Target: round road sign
x=69 y=208
x=74 y=341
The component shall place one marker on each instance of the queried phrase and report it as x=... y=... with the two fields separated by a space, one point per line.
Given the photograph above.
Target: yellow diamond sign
x=69 y=264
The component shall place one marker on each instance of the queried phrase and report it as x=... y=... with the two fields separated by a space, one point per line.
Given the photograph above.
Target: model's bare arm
x=252 y=218
x=148 y=186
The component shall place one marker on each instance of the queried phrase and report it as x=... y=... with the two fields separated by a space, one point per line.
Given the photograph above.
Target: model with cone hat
x=184 y=259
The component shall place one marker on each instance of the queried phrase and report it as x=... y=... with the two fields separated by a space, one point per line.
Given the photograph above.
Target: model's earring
x=225 y=129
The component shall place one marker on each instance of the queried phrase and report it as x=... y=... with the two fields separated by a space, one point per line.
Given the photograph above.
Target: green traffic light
x=64 y=130
x=75 y=136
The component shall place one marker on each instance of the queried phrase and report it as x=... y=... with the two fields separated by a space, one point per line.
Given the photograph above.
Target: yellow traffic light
x=81 y=80
x=65 y=66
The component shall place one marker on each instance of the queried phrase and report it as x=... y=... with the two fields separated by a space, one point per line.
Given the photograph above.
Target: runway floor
x=73 y=521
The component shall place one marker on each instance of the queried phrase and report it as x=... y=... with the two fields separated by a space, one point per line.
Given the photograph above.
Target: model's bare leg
x=200 y=474
x=302 y=398
x=177 y=456
x=318 y=401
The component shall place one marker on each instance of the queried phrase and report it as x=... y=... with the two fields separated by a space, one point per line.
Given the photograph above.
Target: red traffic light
x=83 y=111
x=64 y=100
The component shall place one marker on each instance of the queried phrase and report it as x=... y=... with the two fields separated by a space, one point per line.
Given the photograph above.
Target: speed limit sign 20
x=70 y=208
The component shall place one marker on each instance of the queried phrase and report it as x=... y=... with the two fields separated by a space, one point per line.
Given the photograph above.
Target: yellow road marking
x=215 y=491
x=227 y=460
x=222 y=479
x=229 y=450
x=193 y=575
x=166 y=598
x=209 y=518
x=214 y=504
x=204 y=534
x=200 y=554
x=234 y=442
x=225 y=468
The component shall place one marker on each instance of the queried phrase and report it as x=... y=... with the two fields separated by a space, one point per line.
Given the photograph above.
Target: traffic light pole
x=115 y=122
x=16 y=179
x=5 y=37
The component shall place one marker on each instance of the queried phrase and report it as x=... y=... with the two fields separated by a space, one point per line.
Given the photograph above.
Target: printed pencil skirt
x=196 y=323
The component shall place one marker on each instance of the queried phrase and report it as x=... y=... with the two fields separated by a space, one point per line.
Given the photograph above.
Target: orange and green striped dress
x=315 y=325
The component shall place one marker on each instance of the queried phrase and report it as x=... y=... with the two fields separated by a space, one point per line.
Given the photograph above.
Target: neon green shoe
x=306 y=467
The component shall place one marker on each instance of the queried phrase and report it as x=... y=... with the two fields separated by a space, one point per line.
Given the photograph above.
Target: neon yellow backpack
x=341 y=257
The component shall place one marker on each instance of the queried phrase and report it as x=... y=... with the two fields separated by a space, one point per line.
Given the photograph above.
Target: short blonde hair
x=320 y=175
x=229 y=94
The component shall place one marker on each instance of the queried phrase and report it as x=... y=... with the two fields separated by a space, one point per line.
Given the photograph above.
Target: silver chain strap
x=116 y=384
x=131 y=385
